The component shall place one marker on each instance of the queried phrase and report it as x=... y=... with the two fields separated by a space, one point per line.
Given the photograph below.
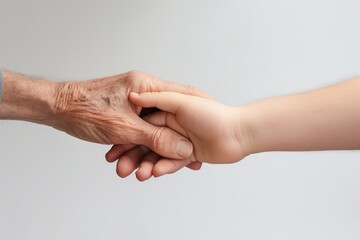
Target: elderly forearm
x=323 y=119
x=27 y=99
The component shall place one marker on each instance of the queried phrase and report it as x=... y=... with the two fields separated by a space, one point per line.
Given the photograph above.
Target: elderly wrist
x=26 y=99
x=65 y=95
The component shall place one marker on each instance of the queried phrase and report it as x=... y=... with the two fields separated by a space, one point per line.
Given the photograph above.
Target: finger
x=129 y=161
x=153 y=84
x=165 y=119
x=116 y=151
x=163 y=85
x=146 y=166
x=168 y=119
x=166 y=101
x=195 y=166
x=169 y=166
x=162 y=140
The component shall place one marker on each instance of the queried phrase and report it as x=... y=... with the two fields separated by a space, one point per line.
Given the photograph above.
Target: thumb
x=165 y=142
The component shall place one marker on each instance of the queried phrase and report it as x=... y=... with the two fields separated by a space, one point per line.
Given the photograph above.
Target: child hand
x=213 y=128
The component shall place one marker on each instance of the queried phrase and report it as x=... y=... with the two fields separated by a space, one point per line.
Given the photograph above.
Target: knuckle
x=134 y=74
x=134 y=79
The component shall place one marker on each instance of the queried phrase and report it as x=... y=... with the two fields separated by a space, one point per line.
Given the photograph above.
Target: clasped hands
x=190 y=129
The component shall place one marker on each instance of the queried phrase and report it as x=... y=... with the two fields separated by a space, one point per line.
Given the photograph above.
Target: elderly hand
x=95 y=110
x=99 y=111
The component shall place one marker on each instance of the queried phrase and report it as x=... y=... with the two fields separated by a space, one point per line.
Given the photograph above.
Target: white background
x=54 y=186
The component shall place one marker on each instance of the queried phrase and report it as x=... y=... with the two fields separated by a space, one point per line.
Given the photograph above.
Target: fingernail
x=184 y=148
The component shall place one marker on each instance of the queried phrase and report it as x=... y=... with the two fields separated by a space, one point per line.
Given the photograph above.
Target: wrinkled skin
x=99 y=111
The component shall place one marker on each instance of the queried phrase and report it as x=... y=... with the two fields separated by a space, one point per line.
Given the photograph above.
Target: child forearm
x=323 y=119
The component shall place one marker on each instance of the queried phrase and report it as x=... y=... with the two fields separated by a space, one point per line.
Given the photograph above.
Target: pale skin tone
x=323 y=119
x=99 y=111
x=96 y=110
